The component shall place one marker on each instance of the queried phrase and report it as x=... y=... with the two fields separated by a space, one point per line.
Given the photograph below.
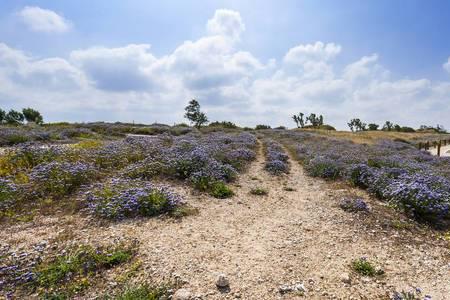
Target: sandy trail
x=262 y=242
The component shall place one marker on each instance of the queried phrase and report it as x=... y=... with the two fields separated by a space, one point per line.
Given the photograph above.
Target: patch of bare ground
x=295 y=234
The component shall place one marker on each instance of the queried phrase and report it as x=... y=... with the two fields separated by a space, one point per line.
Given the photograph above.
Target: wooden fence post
x=439 y=149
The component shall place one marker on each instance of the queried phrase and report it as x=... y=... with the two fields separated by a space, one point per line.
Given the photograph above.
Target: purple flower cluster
x=354 y=204
x=392 y=170
x=119 y=199
x=10 y=136
x=61 y=178
x=276 y=158
x=9 y=192
x=200 y=159
x=323 y=166
x=17 y=268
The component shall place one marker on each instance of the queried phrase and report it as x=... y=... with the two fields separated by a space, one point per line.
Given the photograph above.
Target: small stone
x=345 y=278
x=365 y=280
x=299 y=287
x=222 y=281
x=283 y=289
x=182 y=294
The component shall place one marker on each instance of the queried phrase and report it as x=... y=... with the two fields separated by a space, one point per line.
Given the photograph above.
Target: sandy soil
x=264 y=242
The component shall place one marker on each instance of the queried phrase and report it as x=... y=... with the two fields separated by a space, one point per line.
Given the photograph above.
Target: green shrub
x=365 y=267
x=223 y=124
x=259 y=191
x=221 y=190
x=260 y=127
x=17 y=139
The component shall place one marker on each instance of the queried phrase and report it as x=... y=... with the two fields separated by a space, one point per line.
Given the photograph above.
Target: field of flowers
x=116 y=178
x=394 y=171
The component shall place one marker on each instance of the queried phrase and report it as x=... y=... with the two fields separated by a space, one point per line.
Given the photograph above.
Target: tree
x=299 y=120
x=295 y=117
x=194 y=115
x=32 y=115
x=262 y=126
x=356 y=125
x=373 y=126
x=313 y=119
x=388 y=126
x=320 y=120
x=2 y=116
x=14 y=117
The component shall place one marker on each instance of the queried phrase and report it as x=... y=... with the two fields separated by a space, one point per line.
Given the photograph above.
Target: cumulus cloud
x=27 y=72
x=318 y=51
x=227 y=23
x=117 y=69
x=131 y=83
x=44 y=20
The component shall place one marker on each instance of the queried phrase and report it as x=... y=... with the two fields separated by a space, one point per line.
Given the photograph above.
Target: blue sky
x=377 y=60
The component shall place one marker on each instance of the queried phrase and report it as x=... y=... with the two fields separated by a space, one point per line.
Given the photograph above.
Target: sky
x=249 y=62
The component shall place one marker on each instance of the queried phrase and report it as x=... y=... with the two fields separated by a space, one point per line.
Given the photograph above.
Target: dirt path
x=263 y=242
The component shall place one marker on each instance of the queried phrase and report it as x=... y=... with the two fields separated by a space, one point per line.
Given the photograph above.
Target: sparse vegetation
x=364 y=267
x=259 y=191
x=221 y=191
x=354 y=204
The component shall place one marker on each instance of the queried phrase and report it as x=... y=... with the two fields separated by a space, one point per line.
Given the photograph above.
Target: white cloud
x=43 y=20
x=117 y=69
x=28 y=72
x=446 y=65
x=227 y=23
x=366 y=68
x=312 y=52
x=131 y=83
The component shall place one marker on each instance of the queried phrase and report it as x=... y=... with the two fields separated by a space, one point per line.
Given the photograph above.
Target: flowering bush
x=354 y=205
x=120 y=199
x=324 y=167
x=9 y=193
x=60 y=178
x=146 y=169
x=426 y=197
x=276 y=158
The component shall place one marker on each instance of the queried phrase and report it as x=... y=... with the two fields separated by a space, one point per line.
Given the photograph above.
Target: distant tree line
x=356 y=125
x=14 y=117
